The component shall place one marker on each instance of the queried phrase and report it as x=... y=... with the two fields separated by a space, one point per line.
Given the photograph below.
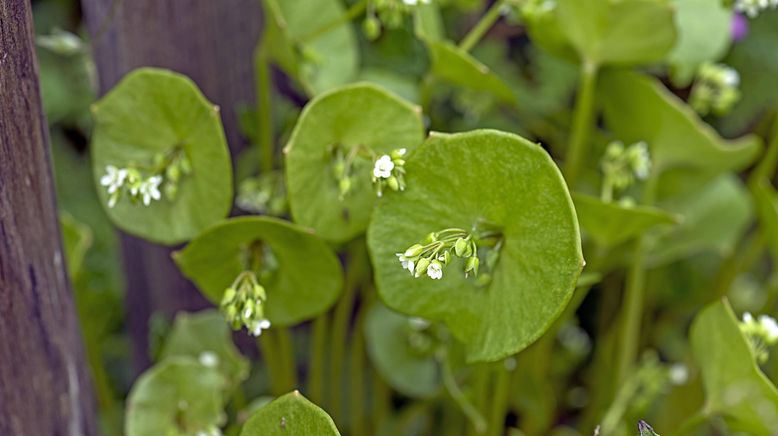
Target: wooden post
x=211 y=41
x=44 y=384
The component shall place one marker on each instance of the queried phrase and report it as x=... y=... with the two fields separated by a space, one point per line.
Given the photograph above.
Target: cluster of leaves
x=535 y=348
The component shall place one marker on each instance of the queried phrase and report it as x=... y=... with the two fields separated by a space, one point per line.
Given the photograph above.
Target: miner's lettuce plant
x=410 y=276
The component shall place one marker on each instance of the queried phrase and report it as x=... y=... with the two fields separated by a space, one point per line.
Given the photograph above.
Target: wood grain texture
x=44 y=386
x=212 y=42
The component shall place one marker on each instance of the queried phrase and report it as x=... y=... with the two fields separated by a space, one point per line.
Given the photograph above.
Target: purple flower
x=739 y=27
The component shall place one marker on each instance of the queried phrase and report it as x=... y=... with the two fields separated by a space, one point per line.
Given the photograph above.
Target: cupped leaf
x=455 y=66
x=204 y=336
x=611 y=223
x=304 y=279
x=360 y=119
x=606 y=32
x=704 y=34
x=152 y=112
x=640 y=108
x=290 y=415
x=179 y=396
x=458 y=181
x=299 y=38
x=735 y=387
x=405 y=368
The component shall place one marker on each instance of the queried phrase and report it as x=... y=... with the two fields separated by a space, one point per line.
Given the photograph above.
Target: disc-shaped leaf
x=290 y=415
x=305 y=281
x=389 y=347
x=179 y=396
x=205 y=336
x=457 y=181
x=606 y=32
x=453 y=65
x=151 y=112
x=735 y=387
x=359 y=116
x=297 y=38
x=610 y=223
x=639 y=108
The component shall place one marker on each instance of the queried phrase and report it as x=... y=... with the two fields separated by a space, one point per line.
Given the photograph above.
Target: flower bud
x=229 y=295
x=472 y=265
x=421 y=266
x=371 y=27
x=413 y=251
x=393 y=183
x=460 y=247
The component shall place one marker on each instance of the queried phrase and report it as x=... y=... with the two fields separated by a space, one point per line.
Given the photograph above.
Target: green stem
x=381 y=397
x=583 y=119
x=354 y=11
x=471 y=412
x=265 y=134
x=271 y=357
x=484 y=24
x=767 y=165
x=318 y=356
x=691 y=424
x=286 y=354
x=738 y=261
x=499 y=408
x=357 y=376
x=632 y=308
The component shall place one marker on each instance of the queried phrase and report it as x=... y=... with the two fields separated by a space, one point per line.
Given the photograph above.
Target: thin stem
x=265 y=135
x=318 y=355
x=484 y=24
x=767 y=165
x=499 y=408
x=583 y=119
x=286 y=354
x=470 y=411
x=357 y=382
x=738 y=261
x=381 y=397
x=270 y=356
x=632 y=308
x=354 y=11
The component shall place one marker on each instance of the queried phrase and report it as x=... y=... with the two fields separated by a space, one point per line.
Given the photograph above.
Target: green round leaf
x=151 y=111
x=735 y=387
x=178 y=396
x=610 y=223
x=307 y=281
x=457 y=181
x=205 y=336
x=290 y=415
x=388 y=346
x=356 y=115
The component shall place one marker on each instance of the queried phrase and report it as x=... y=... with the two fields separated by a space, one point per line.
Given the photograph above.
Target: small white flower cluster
x=761 y=332
x=118 y=180
x=435 y=253
x=243 y=304
x=753 y=8
x=715 y=89
x=389 y=171
x=623 y=166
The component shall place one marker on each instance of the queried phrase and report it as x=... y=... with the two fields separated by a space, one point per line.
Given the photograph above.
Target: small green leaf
x=290 y=415
x=178 y=396
x=204 y=336
x=457 y=181
x=610 y=223
x=704 y=34
x=735 y=387
x=361 y=119
x=455 y=66
x=640 y=108
x=606 y=32
x=319 y=62
x=407 y=370
x=151 y=112
x=306 y=281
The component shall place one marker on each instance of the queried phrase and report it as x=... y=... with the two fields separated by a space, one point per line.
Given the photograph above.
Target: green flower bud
x=446 y=257
x=184 y=165
x=173 y=172
x=344 y=185
x=460 y=247
x=421 y=266
x=171 y=190
x=372 y=28
x=472 y=266
x=413 y=251
x=339 y=169
x=393 y=183
x=229 y=295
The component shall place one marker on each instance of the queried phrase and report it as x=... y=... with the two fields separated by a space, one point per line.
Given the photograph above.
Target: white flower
x=747 y=318
x=149 y=189
x=770 y=328
x=641 y=160
x=403 y=150
x=113 y=179
x=209 y=359
x=406 y=263
x=248 y=312
x=416 y=2
x=258 y=326
x=679 y=374
x=435 y=270
x=383 y=167
x=730 y=77
x=417 y=323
